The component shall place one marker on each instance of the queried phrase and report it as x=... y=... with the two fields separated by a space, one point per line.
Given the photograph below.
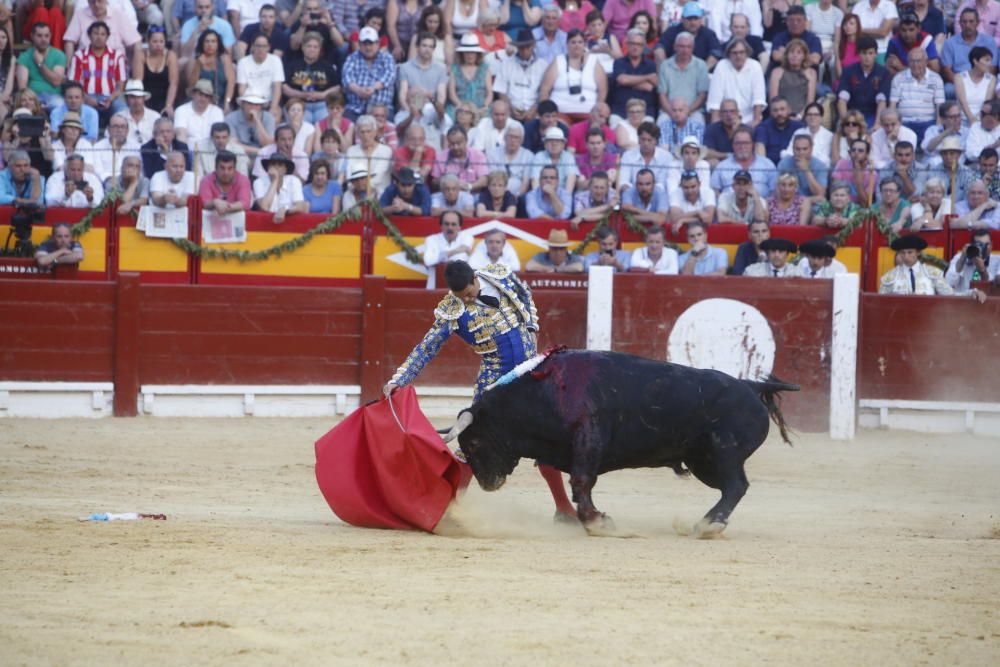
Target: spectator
x=988 y=172
x=977 y=210
x=61 y=248
x=425 y=76
x=852 y=126
x=607 y=253
x=773 y=134
x=303 y=131
x=644 y=23
x=679 y=127
x=596 y=120
x=492 y=40
x=332 y=20
x=741 y=79
x=776 y=265
x=311 y=78
x=220 y=140
x=279 y=191
x=268 y=26
x=21 y=185
x=932 y=18
x=70 y=141
x=976 y=86
x=182 y=10
x=903 y=170
x=108 y=153
x=878 y=19
x=988 y=14
x=406 y=196
x=243 y=12
x=358 y=189
x=910 y=275
x=322 y=192
x=550 y=41
x=140 y=118
x=449 y=245
x=951 y=125
x=706 y=43
x=195 y=119
x=157 y=68
x=973 y=262
x=742 y=204
x=723 y=13
x=519 y=78
x=101 y=71
x=574 y=81
x=534 y=129
x=558 y=258
x=634 y=76
x=683 y=76
x=494 y=249
x=121 y=25
x=548 y=200
x=812 y=174
x=838 y=211
x=42 y=68
x=597 y=158
x=750 y=252
x=647 y=202
x=466 y=163
x=819 y=260
x=824 y=20
x=795 y=23
x=627 y=129
x=647 y=156
x=470 y=79
x=595 y=202
x=600 y=42
x=369 y=75
x=284 y=143
x=719 y=134
x=702 y=259
x=955 y=175
x=985 y=133
x=73 y=186
x=691 y=202
x=39 y=148
x=452 y=197
x=213 y=63
x=155 y=151
x=786 y=206
x=654 y=257
x=495 y=200
x=916 y=92
x=891 y=131
x=134 y=187
x=401 y=19
x=955 y=54
x=73 y=98
x=369 y=155
x=489 y=132
x=744 y=159
x=739 y=28
x=820 y=138
x=262 y=74
x=204 y=20
x=864 y=86
x=909 y=38
x=330 y=151
x=415 y=153
x=933 y=208
x=895 y=210
x=171 y=187
x=224 y=190
x=556 y=156
x=793 y=79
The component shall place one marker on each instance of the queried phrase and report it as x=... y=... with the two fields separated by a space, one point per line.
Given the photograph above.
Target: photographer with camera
x=74 y=187
x=973 y=263
x=30 y=134
x=608 y=253
x=61 y=248
x=21 y=185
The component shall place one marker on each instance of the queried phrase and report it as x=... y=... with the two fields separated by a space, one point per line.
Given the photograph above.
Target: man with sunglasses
x=950 y=116
x=985 y=133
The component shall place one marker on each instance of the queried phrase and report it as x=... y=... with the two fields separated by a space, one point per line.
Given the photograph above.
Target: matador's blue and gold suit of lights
x=501 y=336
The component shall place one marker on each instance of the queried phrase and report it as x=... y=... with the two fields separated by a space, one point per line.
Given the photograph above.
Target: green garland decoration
x=885 y=229
x=87 y=221
x=331 y=224
x=630 y=222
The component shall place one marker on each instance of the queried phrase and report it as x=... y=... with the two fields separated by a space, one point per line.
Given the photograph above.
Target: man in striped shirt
x=916 y=92
x=101 y=71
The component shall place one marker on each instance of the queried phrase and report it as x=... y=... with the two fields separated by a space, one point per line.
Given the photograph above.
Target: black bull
x=587 y=413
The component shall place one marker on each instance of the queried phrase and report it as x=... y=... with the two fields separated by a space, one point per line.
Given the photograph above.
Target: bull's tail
x=768 y=392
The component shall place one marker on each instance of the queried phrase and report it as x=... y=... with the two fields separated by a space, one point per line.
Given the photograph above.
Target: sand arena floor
x=885 y=551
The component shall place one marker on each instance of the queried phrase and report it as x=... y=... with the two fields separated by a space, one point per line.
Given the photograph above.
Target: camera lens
x=972 y=252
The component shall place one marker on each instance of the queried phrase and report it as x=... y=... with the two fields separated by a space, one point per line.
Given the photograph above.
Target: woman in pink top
x=574 y=14
x=619 y=13
x=845 y=44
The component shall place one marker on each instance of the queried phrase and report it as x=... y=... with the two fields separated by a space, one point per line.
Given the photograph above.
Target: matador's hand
x=389 y=388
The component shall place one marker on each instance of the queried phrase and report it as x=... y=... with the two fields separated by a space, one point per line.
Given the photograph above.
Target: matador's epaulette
x=498 y=271
x=450 y=308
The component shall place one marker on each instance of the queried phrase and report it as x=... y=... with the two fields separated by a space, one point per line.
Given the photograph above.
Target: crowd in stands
x=681 y=113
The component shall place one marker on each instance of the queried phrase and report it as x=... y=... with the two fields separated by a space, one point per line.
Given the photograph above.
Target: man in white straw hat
x=252 y=126
x=140 y=117
x=555 y=155
x=194 y=120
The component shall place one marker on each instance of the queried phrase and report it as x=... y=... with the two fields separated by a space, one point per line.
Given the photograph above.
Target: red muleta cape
x=375 y=475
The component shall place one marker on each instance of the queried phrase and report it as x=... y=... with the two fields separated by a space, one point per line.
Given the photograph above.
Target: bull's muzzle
x=464 y=421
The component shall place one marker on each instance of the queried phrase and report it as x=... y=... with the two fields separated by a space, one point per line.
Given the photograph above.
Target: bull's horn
x=464 y=420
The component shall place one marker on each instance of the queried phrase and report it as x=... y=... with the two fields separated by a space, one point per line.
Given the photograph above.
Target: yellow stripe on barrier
x=137 y=252
x=94 y=242
x=393 y=269
x=325 y=256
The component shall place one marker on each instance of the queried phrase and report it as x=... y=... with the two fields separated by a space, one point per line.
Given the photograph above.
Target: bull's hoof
x=708 y=530
x=601 y=525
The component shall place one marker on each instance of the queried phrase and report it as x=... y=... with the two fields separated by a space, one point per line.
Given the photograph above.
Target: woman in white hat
x=71 y=140
x=470 y=79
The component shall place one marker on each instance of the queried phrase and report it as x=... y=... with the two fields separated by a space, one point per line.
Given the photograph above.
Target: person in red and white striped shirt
x=100 y=70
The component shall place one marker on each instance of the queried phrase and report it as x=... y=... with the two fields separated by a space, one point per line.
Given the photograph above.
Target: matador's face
x=470 y=293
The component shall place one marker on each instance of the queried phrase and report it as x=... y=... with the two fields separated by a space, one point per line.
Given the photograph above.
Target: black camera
x=575 y=90
x=30 y=126
x=976 y=250
x=314 y=16
x=21 y=223
x=610 y=253
x=81 y=184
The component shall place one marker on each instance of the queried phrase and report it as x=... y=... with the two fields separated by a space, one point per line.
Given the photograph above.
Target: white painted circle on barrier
x=724 y=335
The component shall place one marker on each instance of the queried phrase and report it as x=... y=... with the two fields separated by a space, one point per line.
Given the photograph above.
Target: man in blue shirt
x=20 y=183
x=548 y=200
x=796 y=29
x=910 y=37
x=608 y=253
x=646 y=202
x=706 y=42
x=204 y=19
x=955 y=54
x=864 y=86
x=550 y=41
x=184 y=10
x=702 y=259
x=73 y=101
x=406 y=196
x=774 y=134
x=634 y=76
